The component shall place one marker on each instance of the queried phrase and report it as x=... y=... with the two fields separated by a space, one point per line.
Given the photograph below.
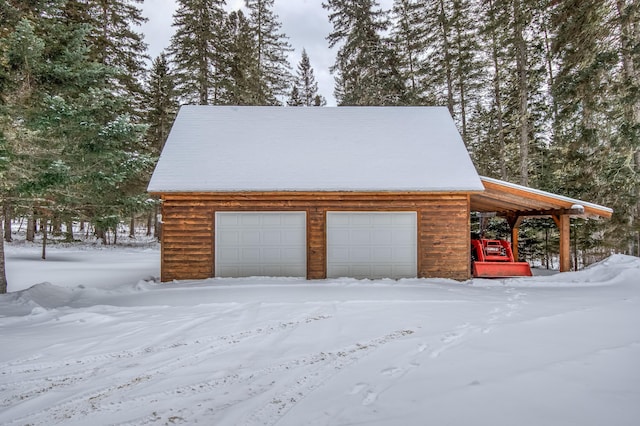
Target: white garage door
x=371 y=244
x=261 y=244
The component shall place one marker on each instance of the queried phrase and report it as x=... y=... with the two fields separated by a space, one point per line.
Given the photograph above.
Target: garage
x=372 y=244
x=260 y=244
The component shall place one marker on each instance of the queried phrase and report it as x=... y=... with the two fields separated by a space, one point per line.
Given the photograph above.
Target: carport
x=516 y=202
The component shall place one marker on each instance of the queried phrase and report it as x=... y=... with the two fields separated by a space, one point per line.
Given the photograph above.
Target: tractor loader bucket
x=501 y=269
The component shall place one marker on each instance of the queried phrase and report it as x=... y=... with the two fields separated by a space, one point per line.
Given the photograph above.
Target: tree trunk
x=630 y=31
x=7 y=221
x=132 y=226
x=521 y=69
x=3 y=275
x=447 y=56
x=56 y=226
x=100 y=234
x=157 y=225
x=69 y=231
x=149 y=223
x=497 y=96
x=31 y=227
x=44 y=226
x=546 y=247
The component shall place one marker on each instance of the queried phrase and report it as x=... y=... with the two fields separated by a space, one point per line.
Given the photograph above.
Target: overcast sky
x=305 y=22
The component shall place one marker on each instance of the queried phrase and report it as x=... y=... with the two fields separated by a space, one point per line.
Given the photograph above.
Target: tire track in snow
x=326 y=365
x=456 y=336
x=91 y=401
x=447 y=340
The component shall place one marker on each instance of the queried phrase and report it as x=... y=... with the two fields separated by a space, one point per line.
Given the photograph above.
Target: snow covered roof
x=505 y=197
x=245 y=148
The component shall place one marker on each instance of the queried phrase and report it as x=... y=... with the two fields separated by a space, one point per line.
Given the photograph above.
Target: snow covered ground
x=99 y=345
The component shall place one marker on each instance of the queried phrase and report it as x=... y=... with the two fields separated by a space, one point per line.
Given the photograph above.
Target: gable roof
x=244 y=148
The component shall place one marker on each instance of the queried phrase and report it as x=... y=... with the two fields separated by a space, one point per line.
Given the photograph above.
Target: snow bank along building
x=365 y=192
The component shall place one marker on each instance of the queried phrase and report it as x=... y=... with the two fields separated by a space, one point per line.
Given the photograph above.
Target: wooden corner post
x=514 y=224
x=563 y=223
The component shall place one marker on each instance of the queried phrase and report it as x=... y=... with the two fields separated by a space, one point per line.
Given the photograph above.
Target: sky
x=305 y=22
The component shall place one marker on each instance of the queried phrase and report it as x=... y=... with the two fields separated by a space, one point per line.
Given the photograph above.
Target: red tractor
x=494 y=259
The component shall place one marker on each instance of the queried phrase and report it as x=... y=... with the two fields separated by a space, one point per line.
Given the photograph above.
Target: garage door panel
x=272 y=271
x=403 y=271
x=382 y=270
x=260 y=244
x=382 y=219
x=249 y=254
x=271 y=237
x=360 y=271
x=293 y=256
x=290 y=237
x=382 y=254
x=382 y=237
x=338 y=236
x=340 y=220
x=228 y=255
x=337 y=254
x=400 y=254
x=227 y=220
x=372 y=244
x=249 y=237
x=403 y=236
x=404 y=220
x=294 y=220
x=360 y=220
x=228 y=237
x=360 y=254
x=250 y=220
x=360 y=237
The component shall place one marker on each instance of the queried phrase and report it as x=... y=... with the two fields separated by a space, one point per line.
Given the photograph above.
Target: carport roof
x=509 y=199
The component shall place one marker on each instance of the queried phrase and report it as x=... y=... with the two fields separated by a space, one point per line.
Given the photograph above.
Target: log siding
x=188 y=230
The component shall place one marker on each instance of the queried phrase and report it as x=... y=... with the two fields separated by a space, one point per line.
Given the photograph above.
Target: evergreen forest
x=545 y=93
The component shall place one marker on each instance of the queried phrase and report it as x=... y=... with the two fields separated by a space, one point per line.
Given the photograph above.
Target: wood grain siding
x=316 y=244
x=187 y=241
x=188 y=227
x=444 y=240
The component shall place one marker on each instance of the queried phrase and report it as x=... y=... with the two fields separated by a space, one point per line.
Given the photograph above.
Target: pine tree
x=305 y=89
x=161 y=103
x=114 y=42
x=626 y=24
x=520 y=48
x=439 y=62
x=515 y=89
x=583 y=153
x=74 y=149
x=273 y=69
x=491 y=148
x=451 y=65
x=197 y=51
x=241 y=68
x=294 y=98
x=319 y=101
x=366 y=67
x=411 y=45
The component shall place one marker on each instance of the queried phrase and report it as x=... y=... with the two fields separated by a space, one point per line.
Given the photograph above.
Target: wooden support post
x=563 y=223
x=514 y=224
x=316 y=244
x=514 y=244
